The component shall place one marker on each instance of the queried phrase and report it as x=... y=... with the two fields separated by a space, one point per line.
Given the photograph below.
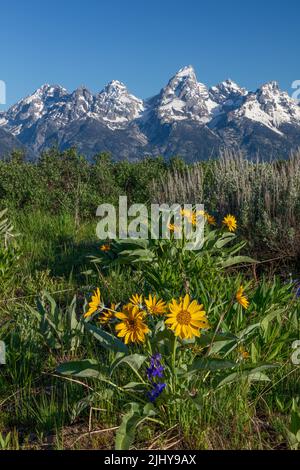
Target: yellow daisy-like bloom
x=197 y=215
x=107 y=315
x=105 y=247
x=132 y=326
x=243 y=353
x=194 y=219
x=136 y=299
x=190 y=215
x=241 y=298
x=210 y=219
x=201 y=213
x=155 y=306
x=230 y=222
x=95 y=304
x=186 y=318
x=186 y=212
x=173 y=228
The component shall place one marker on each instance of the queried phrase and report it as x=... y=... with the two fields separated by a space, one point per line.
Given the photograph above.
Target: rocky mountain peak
x=116 y=106
x=115 y=87
x=185 y=98
x=227 y=93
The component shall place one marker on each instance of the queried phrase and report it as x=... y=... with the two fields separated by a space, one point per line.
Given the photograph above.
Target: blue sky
x=142 y=43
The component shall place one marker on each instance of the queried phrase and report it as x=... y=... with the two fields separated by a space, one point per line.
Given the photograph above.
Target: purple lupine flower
x=156 y=370
x=156 y=391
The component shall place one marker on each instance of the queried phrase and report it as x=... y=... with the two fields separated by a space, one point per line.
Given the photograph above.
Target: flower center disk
x=183 y=317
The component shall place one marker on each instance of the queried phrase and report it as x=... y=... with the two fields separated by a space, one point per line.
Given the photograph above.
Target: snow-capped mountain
x=185 y=118
x=184 y=98
x=116 y=106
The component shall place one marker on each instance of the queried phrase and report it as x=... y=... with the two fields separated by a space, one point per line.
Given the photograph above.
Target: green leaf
x=85 y=368
x=210 y=364
x=126 y=432
x=149 y=410
x=224 y=240
x=254 y=353
x=253 y=375
x=232 y=261
x=136 y=386
x=224 y=347
x=246 y=332
x=106 y=340
x=295 y=418
x=206 y=338
x=135 y=361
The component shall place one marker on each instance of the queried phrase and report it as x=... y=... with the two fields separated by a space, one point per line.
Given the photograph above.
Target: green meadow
x=144 y=344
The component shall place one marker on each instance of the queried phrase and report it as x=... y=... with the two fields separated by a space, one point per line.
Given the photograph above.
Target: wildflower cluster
x=192 y=217
x=229 y=221
x=185 y=316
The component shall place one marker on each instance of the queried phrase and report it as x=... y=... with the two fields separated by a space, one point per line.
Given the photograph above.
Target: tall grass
x=264 y=196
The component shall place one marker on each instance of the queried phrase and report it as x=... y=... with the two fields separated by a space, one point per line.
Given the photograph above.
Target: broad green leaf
x=224 y=347
x=149 y=410
x=210 y=364
x=206 y=339
x=134 y=386
x=295 y=418
x=232 y=261
x=135 y=361
x=224 y=240
x=106 y=340
x=253 y=375
x=85 y=368
x=254 y=353
x=126 y=432
x=243 y=334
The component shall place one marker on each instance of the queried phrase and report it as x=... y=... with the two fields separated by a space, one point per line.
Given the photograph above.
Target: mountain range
x=186 y=118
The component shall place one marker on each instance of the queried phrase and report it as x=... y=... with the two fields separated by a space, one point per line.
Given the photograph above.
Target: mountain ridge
x=185 y=117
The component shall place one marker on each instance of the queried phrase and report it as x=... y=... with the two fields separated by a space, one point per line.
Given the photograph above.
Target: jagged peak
x=187 y=71
x=271 y=86
x=183 y=83
x=115 y=86
x=48 y=89
x=229 y=85
x=82 y=90
x=41 y=94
